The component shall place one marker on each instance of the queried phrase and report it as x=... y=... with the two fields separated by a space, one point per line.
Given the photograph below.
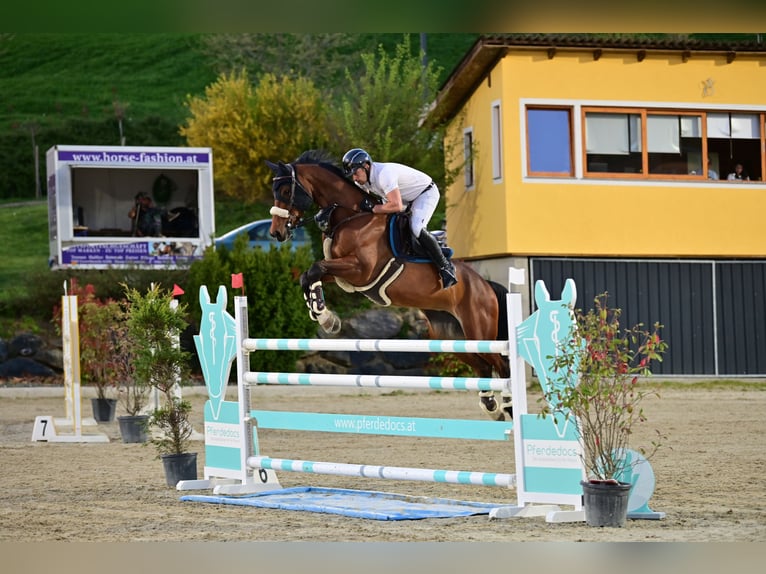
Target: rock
x=25 y=345
x=18 y=367
x=52 y=357
x=376 y=324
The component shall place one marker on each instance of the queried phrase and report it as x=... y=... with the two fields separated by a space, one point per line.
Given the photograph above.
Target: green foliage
x=246 y=124
x=449 y=365
x=273 y=291
x=321 y=57
x=173 y=428
x=598 y=365
x=24 y=232
x=154 y=326
x=36 y=295
x=382 y=111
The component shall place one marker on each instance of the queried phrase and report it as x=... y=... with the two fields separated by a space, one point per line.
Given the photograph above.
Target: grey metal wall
x=714 y=313
x=741 y=317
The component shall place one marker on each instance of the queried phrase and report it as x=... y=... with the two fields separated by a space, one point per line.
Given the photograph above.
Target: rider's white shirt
x=385 y=177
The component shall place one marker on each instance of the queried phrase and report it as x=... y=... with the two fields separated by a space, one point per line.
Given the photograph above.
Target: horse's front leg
x=311 y=283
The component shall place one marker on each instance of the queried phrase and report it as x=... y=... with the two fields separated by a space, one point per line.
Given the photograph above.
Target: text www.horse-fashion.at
x=358 y=257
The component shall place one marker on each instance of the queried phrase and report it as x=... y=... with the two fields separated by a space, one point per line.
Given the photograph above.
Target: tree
x=382 y=111
x=320 y=57
x=244 y=125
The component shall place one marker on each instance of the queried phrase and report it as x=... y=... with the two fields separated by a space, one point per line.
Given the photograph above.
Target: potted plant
x=598 y=369
x=133 y=395
x=154 y=322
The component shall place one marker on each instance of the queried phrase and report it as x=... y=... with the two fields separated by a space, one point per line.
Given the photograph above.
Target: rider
x=401 y=186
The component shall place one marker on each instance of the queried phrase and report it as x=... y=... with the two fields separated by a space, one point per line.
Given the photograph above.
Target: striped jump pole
x=387 y=345
x=386 y=472
x=380 y=381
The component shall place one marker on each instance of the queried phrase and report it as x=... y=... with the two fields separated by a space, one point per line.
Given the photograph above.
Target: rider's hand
x=366 y=205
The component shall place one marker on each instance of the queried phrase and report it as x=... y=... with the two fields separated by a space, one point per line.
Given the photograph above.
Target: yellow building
x=607 y=160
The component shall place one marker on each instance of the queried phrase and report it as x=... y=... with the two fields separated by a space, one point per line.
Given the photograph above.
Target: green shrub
x=276 y=307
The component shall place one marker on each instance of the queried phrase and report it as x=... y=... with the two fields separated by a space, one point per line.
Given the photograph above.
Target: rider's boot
x=434 y=250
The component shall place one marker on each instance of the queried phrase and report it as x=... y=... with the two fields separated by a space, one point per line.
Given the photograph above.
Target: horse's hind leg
x=502 y=410
x=482 y=321
x=443 y=325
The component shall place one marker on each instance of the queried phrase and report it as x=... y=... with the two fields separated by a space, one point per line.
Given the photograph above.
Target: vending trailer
x=100 y=197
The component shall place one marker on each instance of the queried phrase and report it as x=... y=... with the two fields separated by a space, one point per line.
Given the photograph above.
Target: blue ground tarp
x=356 y=503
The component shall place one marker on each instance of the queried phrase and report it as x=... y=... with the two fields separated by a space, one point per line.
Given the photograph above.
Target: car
x=258 y=236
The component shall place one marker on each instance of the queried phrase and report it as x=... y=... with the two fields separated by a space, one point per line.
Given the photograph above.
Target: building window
x=735 y=138
x=674 y=144
x=612 y=142
x=468 y=164
x=639 y=143
x=497 y=142
x=645 y=143
x=549 y=137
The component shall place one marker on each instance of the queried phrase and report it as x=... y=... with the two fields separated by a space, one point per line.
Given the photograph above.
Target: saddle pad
x=355 y=503
x=398 y=230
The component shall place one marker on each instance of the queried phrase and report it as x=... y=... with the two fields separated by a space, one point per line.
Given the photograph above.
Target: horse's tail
x=502 y=310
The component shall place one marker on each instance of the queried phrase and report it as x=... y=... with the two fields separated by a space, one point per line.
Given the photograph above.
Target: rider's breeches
x=422 y=208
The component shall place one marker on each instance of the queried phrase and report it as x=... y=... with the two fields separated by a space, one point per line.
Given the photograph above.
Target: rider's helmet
x=353 y=159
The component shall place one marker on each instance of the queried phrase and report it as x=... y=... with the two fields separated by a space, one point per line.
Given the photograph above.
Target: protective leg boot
x=446 y=268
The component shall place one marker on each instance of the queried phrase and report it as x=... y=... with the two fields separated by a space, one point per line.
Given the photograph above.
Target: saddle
x=406 y=246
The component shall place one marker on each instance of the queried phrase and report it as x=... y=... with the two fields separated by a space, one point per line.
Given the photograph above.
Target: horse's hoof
x=330 y=322
x=489 y=405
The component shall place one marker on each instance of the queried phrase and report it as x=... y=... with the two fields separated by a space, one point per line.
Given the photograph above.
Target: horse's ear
x=272 y=166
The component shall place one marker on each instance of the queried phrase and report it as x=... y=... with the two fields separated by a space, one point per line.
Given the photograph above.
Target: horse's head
x=312 y=178
x=291 y=200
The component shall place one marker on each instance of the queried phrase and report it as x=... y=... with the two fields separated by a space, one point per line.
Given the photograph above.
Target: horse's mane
x=321 y=158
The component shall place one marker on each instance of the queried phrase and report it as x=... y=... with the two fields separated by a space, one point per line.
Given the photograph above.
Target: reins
x=302 y=203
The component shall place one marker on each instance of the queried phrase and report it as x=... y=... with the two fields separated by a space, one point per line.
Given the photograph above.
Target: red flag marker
x=177 y=290
x=237 y=281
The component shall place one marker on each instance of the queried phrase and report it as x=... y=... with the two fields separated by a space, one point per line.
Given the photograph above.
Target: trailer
x=95 y=206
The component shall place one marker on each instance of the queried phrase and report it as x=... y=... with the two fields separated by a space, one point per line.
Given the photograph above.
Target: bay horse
x=358 y=257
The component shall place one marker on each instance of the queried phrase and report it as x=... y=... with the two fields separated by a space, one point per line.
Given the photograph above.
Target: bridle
x=298 y=199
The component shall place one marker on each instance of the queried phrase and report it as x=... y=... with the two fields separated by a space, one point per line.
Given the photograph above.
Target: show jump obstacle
x=547 y=462
x=69 y=428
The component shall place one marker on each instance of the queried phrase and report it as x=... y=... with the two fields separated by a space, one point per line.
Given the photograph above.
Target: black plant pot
x=104 y=409
x=179 y=467
x=133 y=428
x=605 y=504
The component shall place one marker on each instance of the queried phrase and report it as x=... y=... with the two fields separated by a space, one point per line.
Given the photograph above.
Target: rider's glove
x=366 y=205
